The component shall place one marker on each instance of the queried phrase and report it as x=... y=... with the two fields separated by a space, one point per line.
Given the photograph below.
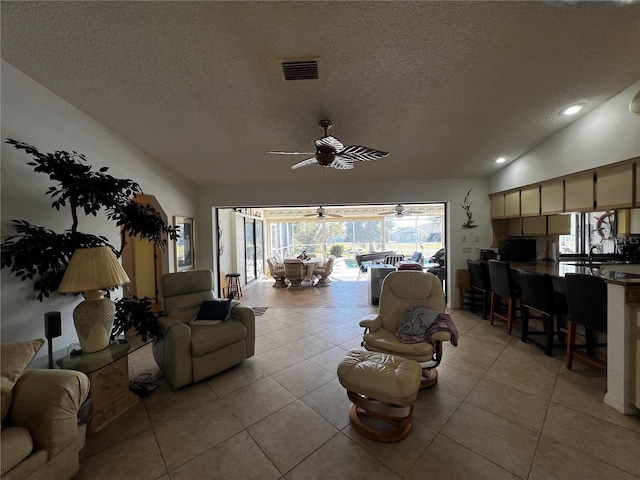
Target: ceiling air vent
x=300 y=69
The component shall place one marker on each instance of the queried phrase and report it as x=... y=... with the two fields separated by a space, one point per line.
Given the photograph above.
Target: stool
x=538 y=295
x=233 y=284
x=383 y=389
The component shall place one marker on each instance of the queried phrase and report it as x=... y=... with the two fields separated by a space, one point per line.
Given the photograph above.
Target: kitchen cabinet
x=530 y=201
x=512 y=204
x=534 y=226
x=614 y=187
x=559 y=225
x=497 y=205
x=579 y=193
x=514 y=227
x=552 y=197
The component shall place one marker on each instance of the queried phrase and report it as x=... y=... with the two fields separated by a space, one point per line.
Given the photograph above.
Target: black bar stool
x=503 y=287
x=587 y=302
x=538 y=295
x=233 y=285
x=480 y=285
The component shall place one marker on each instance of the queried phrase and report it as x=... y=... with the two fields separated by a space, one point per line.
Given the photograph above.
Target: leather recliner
x=188 y=353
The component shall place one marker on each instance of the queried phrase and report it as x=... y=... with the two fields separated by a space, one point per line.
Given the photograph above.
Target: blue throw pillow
x=214 y=310
x=417 y=321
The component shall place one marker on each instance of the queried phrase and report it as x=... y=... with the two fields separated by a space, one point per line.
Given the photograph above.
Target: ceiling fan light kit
x=400 y=211
x=330 y=152
x=321 y=212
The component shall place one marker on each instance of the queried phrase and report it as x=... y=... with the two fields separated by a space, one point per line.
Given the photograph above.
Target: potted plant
x=40 y=254
x=137 y=314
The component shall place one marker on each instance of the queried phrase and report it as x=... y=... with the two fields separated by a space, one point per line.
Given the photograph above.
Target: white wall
x=608 y=134
x=418 y=191
x=33 y=114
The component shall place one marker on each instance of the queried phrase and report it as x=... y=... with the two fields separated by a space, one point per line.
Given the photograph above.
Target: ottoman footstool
x=383 y=389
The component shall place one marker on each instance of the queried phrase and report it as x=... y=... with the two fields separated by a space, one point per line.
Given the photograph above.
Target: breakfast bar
x=623 y=290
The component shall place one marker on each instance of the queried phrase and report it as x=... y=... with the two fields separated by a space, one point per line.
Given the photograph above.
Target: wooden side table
x=108 y=372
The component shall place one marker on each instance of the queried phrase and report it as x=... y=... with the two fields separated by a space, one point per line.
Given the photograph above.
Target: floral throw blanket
x=443 y=323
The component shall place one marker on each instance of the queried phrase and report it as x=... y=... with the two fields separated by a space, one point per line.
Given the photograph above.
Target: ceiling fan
x=321 y=212
x=400 y=211
x=330 y=152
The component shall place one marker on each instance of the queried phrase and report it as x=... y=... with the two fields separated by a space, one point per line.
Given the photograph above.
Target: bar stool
x=233 y=284
x=538 y=294
x=587 y=302
x=503 y=286
x=480 y=285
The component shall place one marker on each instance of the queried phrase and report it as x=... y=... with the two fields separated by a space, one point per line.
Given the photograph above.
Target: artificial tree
x=40 y=254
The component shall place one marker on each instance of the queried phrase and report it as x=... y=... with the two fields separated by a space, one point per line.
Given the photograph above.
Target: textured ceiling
x=445 y=87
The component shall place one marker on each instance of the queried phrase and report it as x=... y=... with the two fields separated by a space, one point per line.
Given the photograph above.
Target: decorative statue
x=466 y=205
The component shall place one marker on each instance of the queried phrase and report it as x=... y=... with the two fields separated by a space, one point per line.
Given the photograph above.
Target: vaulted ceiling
x=445 y=87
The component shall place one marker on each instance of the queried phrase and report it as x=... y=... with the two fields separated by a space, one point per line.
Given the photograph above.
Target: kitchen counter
x=623 y=302
x=620 y=273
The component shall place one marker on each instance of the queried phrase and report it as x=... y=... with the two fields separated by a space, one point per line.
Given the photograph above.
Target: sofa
x=188 y=351
x=40 y=430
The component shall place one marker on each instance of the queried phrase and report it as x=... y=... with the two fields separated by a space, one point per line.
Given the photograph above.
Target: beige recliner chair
x=187 y=352
x=401 y=290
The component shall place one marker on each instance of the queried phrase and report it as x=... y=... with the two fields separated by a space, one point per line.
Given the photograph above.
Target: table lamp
x=91 y=271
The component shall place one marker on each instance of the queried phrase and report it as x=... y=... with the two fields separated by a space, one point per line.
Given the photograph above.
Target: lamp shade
x=92 y=269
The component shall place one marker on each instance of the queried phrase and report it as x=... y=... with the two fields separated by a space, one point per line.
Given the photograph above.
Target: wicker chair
x=295 y=271
x=323 y=271
x=276 y=270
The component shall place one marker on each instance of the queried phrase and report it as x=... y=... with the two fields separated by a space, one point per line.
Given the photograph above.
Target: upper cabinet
x=578 y=193
x=614 y=187
x=559 y=225
x=552 y=197
x=532 y=226
x=497 y=205
x=530 y=201
x=512 y=204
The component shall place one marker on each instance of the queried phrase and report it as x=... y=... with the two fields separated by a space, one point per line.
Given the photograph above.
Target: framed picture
x=184 y=244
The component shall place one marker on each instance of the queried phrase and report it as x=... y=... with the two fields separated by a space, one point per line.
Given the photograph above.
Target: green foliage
x=42 y=254
x=37 y=252
x=337 y=250
x=136 y=313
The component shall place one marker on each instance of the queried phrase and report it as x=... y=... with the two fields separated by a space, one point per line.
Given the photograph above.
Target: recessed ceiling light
x=501 y=160
x=572 y=109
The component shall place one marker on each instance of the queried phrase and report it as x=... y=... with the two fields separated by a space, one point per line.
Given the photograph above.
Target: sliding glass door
x=254 y=248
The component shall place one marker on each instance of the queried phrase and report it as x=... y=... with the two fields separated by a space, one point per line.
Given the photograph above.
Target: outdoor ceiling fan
x=321 y=212
x=400 y=211
x=330 y=152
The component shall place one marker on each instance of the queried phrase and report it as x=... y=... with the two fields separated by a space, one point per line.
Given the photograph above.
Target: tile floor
x=501 y=409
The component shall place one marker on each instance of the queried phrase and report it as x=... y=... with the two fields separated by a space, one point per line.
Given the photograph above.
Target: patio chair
x=323 y=271
x=276 y=270
x=295 y=271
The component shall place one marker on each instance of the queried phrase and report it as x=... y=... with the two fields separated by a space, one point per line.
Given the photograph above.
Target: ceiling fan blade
x=332 y=142
x=362 y=154
x=304 y=163
x=340 y=163
x=291 y=153
x=332 y=215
